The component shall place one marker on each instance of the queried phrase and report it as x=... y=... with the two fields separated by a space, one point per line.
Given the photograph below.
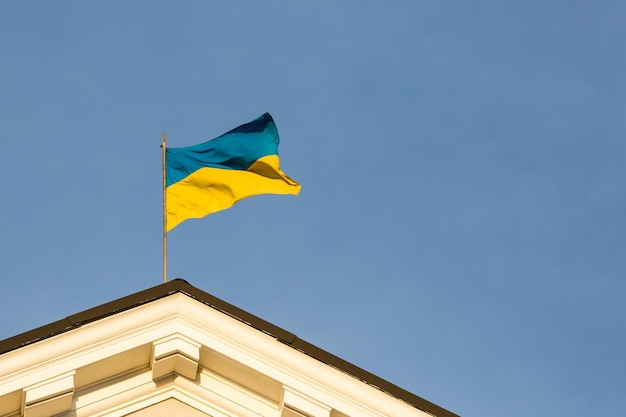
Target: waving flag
x=212 y=176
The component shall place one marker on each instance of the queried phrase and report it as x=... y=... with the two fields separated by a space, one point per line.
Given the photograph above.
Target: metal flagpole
x=164 y=211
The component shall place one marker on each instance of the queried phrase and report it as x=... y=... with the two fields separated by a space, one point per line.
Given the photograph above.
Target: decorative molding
x=179 y=346
x=49 y=397
x=175 y=354
x=297 y=401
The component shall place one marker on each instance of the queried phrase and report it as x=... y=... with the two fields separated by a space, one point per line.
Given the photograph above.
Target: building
x=173 y=351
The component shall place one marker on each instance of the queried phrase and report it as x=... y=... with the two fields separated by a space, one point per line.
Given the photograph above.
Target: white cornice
x=178 y=328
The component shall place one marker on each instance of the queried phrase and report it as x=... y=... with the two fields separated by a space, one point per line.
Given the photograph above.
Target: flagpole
x=164 y=210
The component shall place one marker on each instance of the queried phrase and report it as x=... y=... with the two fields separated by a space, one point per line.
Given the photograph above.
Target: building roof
x=181 y=286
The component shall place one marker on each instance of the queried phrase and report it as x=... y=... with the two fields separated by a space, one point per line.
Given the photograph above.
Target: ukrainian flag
x=212 y=176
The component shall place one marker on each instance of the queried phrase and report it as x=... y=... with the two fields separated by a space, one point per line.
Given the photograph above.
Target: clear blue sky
x=461 y=227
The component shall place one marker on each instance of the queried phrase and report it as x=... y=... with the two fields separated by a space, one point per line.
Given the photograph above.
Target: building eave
x=181 y=286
